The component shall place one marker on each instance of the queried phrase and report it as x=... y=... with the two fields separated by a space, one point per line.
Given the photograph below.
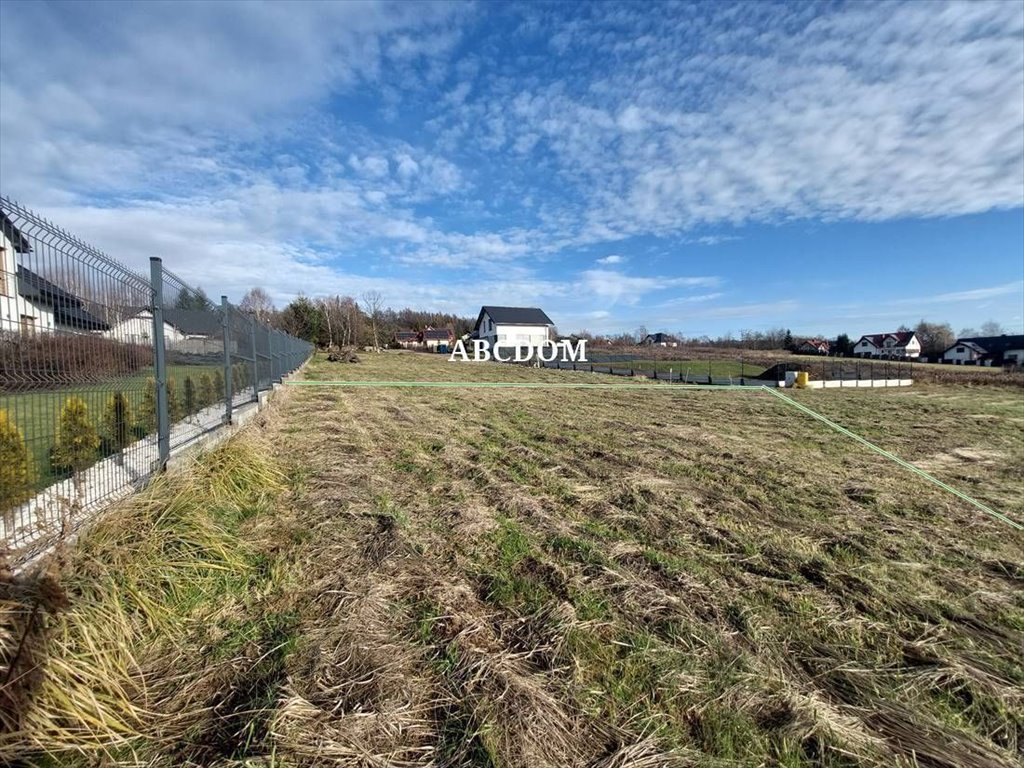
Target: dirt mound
x=342 y=355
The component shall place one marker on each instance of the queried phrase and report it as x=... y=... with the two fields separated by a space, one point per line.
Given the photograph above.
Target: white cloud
x=614 y=286
x=856 y=113
x=613 y=259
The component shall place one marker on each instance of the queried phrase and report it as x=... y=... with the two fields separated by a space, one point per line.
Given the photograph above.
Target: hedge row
x=49 y=360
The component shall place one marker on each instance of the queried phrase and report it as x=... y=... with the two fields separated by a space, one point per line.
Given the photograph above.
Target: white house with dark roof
x=30 y=303
x=898 y=344
x=986 y=350
x=513 y=326
x=193 y=331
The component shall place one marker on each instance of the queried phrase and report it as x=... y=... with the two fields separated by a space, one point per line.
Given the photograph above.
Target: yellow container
x=802 y=377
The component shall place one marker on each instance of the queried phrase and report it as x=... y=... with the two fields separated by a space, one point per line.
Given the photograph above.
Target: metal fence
x=105 y=372
x=738 y=371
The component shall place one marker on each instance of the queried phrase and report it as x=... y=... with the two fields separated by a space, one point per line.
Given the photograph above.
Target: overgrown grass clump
x=108 y=650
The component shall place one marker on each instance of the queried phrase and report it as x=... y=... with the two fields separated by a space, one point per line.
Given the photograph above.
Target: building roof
x=817 y=343
x=437 y=334
x=12 y=233
x=406 y=335
x=659 y=338
x=991 y=345
x=515 y=316
x=878 y=339
x=66 y=307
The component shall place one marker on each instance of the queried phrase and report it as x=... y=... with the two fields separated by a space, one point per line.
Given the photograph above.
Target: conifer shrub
x=77 y=440
x=218 y=384
x=175 y=411
x=147 y=409
x=16 y=470
x=117 y=422
x=190 y=402
x=207 y=396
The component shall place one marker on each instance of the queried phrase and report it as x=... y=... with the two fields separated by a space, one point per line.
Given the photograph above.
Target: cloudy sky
x=693 y=167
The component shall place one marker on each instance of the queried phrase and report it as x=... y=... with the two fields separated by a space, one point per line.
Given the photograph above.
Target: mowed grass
x=671 y=576
x=650 y=576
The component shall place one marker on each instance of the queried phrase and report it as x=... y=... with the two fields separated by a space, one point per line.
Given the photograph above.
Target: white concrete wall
x=851 y=383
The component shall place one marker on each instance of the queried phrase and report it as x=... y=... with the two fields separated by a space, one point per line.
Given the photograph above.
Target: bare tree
x=325 y=307
x=374 y=303
x=991 y=328
x=934 y=337
x=257 y=302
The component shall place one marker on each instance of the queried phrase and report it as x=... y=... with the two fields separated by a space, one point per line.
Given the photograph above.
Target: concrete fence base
x=850 y=383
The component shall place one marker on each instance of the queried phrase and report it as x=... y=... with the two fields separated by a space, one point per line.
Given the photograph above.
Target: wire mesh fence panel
x=75 y=379
x=193 y=347
x=104 y=372
x=242 y=349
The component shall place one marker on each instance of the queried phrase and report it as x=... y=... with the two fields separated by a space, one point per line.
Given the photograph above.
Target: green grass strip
x=893 y=457
x=513 y=385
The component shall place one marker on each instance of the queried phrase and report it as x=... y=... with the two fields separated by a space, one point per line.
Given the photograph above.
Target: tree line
x=347 y=321
x=934 y=337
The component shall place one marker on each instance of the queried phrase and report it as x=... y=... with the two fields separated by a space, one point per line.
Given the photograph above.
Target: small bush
x=174 y=404
x=117 y=421
x=190 y=396
x=147 y=409
x=218 y=384
x=207 y=396
x=15 y=464
x=240 y=376
x=77 y=441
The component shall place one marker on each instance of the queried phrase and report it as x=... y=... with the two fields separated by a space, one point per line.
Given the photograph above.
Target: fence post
x=163 y=427
x=270 y=354
x=229 y=388
x=255 y=362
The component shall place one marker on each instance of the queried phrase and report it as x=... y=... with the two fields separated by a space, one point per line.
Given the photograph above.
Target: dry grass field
x=650 y=576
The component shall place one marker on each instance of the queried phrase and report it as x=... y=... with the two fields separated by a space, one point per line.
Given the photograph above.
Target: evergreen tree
x=147 y=409
x=190 y=396
x=117 y=421
x=207 y=395
x=16 y=473
x=77 y=440
x=174 y=405
x=218 y=385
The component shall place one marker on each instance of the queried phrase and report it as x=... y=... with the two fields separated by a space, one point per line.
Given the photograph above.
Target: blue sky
x=689 y=167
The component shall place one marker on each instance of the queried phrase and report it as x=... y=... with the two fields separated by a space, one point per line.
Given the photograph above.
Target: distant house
x=513 y=326
x=986 y=350
x=407 y=339
x=192 y=331
x=899 y=344
x=30 y=303
x=659 y=340
x=436 y=339
x=812 y=347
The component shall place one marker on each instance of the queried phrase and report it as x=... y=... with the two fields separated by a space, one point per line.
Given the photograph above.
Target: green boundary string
x=893 y=457
x=647 y=388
